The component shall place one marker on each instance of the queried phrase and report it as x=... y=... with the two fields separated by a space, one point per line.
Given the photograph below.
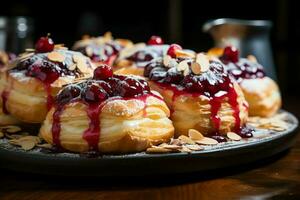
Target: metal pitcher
x=249 y=36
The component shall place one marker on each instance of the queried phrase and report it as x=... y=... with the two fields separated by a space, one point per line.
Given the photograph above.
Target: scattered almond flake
x=27 y=145
x=72 y=67
x=26 y=142
x=194 y=147
x=234 y=136
x=12 y=129
x=252 y=58
x=186 y=140
x=196 y=68
x=83 y=67
x=207 y=141
x=203 y=61
x=1 y=134
x=89 y=51
x=56 y=56
x=170 y=146
x=175 y=141
x=46 y=146
x=185 y=149
x=25 y=56
x=30 y=50
x=183 y=65
x=166 y=60
x=107 y=35
x=275 y=123
x=58 y=46
x=184 y=54
x=195 y=135
x=186 y=71
x=155 y=149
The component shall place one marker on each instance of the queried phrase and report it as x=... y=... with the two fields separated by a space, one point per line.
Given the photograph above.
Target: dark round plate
x=228 y=154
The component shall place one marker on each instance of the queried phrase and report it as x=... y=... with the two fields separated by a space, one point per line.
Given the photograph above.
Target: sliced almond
x=72 y=67
x=170 y=146
x=107 y=35
x=166 y=60
x=186 y=71
x=203 y=61
x=184 y=54
x=12 y=129
x=194 y=147
x=233 y=136
x=158 y=150
x=46 y=146
x=27 y=145
x=252 y=58
x=183 y=65
x=195 y=135
x=196 y=68
x=30 y=50
x=25 y=56
x=185 y=149
x=56 y=56
x=207 y=141
x=175 y=142
x=186 y=140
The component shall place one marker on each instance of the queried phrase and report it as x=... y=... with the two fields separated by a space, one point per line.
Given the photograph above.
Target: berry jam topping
x=214 y=83
x=155 y=40
x=240 y=68
x=230 y=54
x=103 y=72
x=172 y=50
x=95 y=93
x=44 y=45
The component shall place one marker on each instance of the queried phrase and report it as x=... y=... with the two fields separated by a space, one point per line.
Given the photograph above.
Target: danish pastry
x=102 y=49
x=199 y=93
x=32 y=80
x=261 y=92
x=109 y=113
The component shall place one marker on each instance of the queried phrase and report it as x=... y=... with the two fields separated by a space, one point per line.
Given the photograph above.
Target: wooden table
x=276 y=178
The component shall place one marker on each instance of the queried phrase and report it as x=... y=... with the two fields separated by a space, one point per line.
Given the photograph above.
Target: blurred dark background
x=175 y=20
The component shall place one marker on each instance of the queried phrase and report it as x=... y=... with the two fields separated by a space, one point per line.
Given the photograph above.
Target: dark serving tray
x=223 y=155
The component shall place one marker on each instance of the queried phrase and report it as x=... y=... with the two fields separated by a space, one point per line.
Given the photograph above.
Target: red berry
x=172 y=50
x=231 y=54
x=103 y=72
x=155 y=40
x=44 y=44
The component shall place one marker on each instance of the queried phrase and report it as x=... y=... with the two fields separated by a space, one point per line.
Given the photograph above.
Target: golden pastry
x=109 y=113
x=102 y=49
x=5 y=117
x=199 y=93
x=37 y=75
x=261 y=92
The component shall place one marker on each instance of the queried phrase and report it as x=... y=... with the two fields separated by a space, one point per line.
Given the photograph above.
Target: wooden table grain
x=275 y=178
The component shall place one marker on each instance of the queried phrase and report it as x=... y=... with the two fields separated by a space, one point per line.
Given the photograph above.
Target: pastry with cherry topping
x=107 y=114
x=30 y=83
x=5 y=117
x=261 y=92
x=199 y=93
x=102 y=49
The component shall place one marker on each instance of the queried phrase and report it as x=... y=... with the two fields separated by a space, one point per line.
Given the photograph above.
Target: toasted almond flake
x=196 y=68
x=252 y=58
x=158 y=150
x=89 y=51
x=233 y=136
x=186 y=140
x=195 y=135
x=175 y=142
x=59 y=46
x=30 y=50
x=72 y=67
x=203 y=61
x=183 y=65
x=166 y=60
x=46 y=146
x=183 y=54
x=194 y=147
x=207 y=141
x=27 y=145
x=107 y=35
x=83 y=67
x=56 y=56
x=25 y=56
x=1 y=134
x=185 y=149
x=170 y=146
x=12 y=129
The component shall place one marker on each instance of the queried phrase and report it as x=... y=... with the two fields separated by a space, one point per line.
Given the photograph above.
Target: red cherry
x=155 y=40
x=103 y=72
x=231 y=54
x=172 y=50
x=44 y=44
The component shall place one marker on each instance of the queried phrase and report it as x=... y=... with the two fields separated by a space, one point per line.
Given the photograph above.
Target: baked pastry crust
x=194 y=112
x=27 y=99
x=126 y=126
